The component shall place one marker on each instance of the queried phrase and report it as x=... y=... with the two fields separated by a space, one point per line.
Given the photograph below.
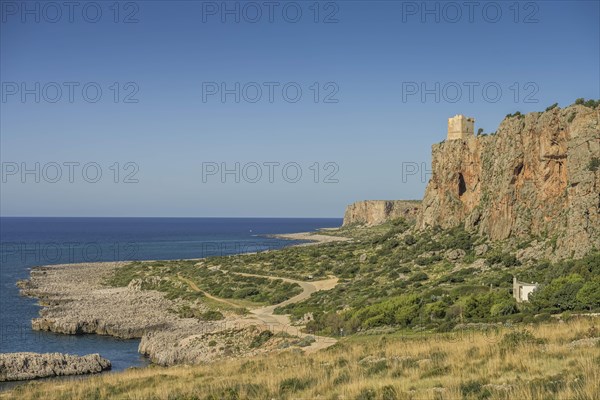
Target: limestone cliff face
x=373 y=212
x=535 y=177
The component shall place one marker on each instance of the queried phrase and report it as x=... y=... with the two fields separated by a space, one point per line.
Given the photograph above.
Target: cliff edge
x=373 y=212
x=536 y=177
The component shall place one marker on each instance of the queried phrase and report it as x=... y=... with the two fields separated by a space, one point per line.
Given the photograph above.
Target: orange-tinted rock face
x=532 y=178
x=373 y=212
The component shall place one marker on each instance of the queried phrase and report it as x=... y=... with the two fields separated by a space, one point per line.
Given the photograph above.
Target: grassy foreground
x=551 y=360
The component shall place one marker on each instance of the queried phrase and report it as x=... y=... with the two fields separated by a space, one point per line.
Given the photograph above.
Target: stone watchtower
x=460 y=127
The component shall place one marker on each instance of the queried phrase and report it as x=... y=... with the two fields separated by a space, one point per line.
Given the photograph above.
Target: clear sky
x=168 y=116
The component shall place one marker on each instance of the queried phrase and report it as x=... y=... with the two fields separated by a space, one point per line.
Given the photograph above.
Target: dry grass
x=470 y=365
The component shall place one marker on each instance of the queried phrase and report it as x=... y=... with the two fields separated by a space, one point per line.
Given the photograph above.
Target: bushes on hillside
x=506 y=259
x=561 y=293
x=589 y=294
x=589 y=103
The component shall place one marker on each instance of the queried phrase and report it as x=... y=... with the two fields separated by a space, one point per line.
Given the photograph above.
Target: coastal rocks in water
x=374 y=212
x=76 y=301
x=23 y=366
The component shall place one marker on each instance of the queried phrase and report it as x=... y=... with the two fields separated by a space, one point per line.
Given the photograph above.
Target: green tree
x=589 y=294
x=560 y=293
x=505 y=306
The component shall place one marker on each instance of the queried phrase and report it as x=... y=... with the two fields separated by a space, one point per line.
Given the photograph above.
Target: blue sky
x=358 y=115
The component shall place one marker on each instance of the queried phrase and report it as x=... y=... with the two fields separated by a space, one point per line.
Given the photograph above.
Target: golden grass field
x=540 y=364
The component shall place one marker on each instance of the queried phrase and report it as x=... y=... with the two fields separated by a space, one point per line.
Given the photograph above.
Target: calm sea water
x=28 y=242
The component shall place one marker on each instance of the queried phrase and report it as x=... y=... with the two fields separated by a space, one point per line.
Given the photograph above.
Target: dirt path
x=195 y=288
x=280 y=323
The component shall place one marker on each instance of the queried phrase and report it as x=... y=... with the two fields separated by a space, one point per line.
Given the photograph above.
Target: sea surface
x=29 y=242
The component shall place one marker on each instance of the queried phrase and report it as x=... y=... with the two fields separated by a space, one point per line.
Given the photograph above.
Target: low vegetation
x=594 y=164
x=588 y=103
x=176 y=277
x=419 y=315
x=541 y=361
x=390 y=276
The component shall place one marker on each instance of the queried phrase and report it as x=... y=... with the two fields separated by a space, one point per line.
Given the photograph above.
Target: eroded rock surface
x=533 y=178
x=76 y=300
x=374 y=212
x=23 y=366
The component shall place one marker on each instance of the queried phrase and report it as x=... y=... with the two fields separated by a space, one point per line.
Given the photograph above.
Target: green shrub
x=423 y=261
x=366 y=394
x=589 y=294
x=261 y=339
x=306 y=341
x=559 y=294
x=506 y=259
x=553 y=106
x=377 y=368
x=418 y=277
x=388 y=392
x=552 y=384
x=436 y=371
x=475 y=389
x=409 y=240
x=342 y=378
x=594 y=164
x=211 y=316
x=504 y=307
x=512 y=340
x=292 y=385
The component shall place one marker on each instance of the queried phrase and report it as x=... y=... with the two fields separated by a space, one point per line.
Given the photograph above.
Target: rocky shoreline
x=76 y=300
x=24 y=366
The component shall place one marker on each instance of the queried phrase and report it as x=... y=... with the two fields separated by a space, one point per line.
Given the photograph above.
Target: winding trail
x=279 y=323
x=195 y=288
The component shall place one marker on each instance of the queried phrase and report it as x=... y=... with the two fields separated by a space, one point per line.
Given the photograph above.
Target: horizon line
x=83 y=216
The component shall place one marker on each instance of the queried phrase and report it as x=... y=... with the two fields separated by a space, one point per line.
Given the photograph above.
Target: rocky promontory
x=373 y=212
x=537 y=177
x=23 y=366
x=77 y=300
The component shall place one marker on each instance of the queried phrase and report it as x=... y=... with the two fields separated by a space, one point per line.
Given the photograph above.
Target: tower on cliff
x=460 y=127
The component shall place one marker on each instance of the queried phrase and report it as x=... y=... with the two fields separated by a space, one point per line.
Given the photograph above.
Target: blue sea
x=28 y=242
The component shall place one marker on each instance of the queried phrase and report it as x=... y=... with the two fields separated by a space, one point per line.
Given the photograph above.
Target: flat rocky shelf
x=76 y=300
x=23 y=366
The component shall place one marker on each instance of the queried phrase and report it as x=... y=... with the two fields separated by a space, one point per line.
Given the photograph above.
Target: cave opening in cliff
x=462 y=186
x=518 y=169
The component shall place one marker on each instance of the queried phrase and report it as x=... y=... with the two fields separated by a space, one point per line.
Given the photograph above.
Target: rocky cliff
x=373 y=212
x=536 y=177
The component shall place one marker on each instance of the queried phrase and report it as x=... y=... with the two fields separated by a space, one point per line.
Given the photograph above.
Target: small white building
x=522 y=290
